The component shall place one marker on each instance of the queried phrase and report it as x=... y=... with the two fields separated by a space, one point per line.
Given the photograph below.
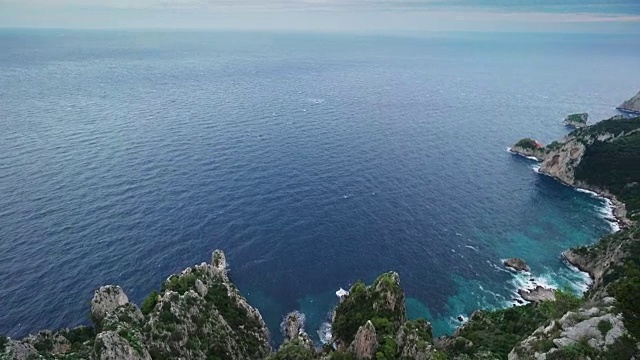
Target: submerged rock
x=516 y=264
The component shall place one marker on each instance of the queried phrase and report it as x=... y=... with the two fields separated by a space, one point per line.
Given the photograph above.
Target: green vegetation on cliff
x=362 y=305
x=614 y=164
x=626 y=286
x=497 y=332
x=576 y=120
x=528 y=143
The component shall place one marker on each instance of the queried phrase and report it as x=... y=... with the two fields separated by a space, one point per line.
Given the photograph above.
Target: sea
x=312 y=159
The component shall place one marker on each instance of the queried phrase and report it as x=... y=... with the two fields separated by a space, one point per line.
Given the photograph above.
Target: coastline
x=530 y=157
x=628 y=111
x=618 y=218
x=618 y=208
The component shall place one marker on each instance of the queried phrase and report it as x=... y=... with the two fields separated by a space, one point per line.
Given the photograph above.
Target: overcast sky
x=329 y=15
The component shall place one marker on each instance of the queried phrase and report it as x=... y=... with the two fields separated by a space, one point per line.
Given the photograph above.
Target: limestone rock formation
x=561 y=163
x=383 y=299
x=390 y=296
x=105 y=300
x=200 y=313
x=632 y=105
x=529 y=148
x=292 y=325
x=600 y=259
x=517 y=264
x=20 y=350
x=595 y=327
x=111 y=346
x=365 y=344
x=538 y=294
x=414 y=340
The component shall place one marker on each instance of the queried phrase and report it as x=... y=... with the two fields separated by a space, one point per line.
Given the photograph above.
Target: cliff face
x=631 y=105
x=199 y=314
x=605 y=323
x=529 y=148
x=602 y=158
x=561 y=163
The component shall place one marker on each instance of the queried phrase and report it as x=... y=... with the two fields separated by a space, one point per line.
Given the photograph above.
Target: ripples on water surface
x=312 y=160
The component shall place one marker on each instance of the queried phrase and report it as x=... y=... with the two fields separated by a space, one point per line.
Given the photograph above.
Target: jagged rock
x=588 y=329
x=391 y=296
x=632 y=105
x=58 y=343
x=516 y=264
x=383 y=299
x=538 y=294
x=292 y=325
x=414 y=340
x=111 y=346
x=187 y=324
x=105 y=300
x=128 y=315
x=18 y=350
x=561 y=163
x=365 y=344
x=597 y=259
x=593 y=325
x=201 y=288
x=219 y=261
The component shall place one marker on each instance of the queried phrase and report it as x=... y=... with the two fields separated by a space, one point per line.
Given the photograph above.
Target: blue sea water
x=312 y=160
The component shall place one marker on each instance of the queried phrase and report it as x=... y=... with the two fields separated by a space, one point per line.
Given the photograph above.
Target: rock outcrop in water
x=529 y=148
x=538 y=294
x=576 y=120
x=632 y=105
x=516 y=264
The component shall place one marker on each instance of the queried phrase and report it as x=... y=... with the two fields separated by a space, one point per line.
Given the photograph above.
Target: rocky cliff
x=632 y=105
x=602 y=158
x=198 y=314
x=530 y=148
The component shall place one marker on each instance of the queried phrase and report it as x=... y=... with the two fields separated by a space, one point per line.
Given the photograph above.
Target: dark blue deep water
x=312 y=160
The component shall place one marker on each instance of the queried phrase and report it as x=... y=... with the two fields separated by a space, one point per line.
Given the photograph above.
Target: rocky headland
x=576 y=120
x=529 y=148
x=631 y=106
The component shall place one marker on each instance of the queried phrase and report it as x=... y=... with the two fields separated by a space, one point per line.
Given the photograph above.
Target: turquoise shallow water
x=312 y=160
